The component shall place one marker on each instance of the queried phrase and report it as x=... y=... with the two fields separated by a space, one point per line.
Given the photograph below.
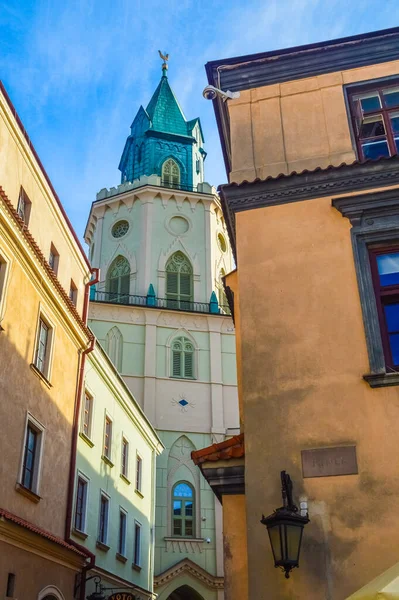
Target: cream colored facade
x=306 y=310
x=42 y=398
x=110 y=398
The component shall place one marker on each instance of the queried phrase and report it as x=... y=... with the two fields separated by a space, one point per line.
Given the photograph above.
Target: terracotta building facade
x=312 y=207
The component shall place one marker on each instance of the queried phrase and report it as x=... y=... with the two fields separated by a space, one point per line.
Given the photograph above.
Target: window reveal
x=30 y=457
x=80 y=508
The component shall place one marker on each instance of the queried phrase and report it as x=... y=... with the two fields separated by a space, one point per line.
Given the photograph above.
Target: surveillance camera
x=211 y=92
x=208 y=540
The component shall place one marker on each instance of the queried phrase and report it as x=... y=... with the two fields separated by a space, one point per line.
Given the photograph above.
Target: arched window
x=183 y=509
x=182 y=358
x=170 y=173
x=114 y=347
x=118 y=280
x=179 y=282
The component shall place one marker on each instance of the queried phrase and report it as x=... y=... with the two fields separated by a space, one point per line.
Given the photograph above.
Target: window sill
x=139 y=493
x=86 y=439
x=21 y=489
x=121 y=558
x=80 y=534
x=376 y=380
x=136 y=567
x=125 y=479
x=40 y=375
x=184 y=378
x=107 y=461
x=102 y=546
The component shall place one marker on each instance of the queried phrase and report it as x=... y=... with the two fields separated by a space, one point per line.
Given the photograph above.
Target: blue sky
x=78 y=70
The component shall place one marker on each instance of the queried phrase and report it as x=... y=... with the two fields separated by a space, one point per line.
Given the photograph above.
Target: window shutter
x=188 y=364
x=176 y=368
x=185 y=285
x=171 y=283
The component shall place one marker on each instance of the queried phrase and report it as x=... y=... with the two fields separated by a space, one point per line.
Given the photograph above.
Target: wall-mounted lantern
x=285 y=528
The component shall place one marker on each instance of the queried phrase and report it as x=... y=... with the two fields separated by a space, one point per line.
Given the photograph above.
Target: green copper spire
x=160 y=133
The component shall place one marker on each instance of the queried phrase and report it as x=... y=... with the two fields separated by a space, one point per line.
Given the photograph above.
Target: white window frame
x=137 y=526
x=125 y=439
x=88 y=435
x=80 y=475
x=109 y=455
x=104 y=494
x=138 y=480
x=124 y=511
x=43 y=316
x=37 y=472
x=5 y=264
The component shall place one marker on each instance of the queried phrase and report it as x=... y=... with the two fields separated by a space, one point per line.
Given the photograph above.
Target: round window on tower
x=222 y=242
x=120 y=229
x=179 y=225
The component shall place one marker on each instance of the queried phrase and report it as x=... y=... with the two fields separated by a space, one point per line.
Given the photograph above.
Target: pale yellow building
x=43 y=299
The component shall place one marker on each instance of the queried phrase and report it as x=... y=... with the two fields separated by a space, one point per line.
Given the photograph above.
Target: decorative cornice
x=226 y=480
x=372 y=205
x=306 y=185
x=187 y=566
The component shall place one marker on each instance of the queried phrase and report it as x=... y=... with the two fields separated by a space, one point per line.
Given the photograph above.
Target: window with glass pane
x=183 y=510
x=179 y=282
x=118 y=280
x=125 y=457
x=30 y=457
x=87 y=414
x=375 y=118
x=170 y=173
x=385 y=271
x=24 y=206
x=41 y=354
x=107 y=437
x=122 y=533
x=80 y=506
x=103 y=524
x=182 y=358
x=139 y=467
x=137 y=544
x=53 y=258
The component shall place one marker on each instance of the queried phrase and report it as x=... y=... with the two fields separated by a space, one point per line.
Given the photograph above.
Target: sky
x=78 y=70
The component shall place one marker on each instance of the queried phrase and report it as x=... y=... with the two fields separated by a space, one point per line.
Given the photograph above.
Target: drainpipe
x=75 y=431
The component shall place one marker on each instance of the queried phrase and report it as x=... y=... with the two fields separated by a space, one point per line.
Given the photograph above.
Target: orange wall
x=303 y=357
x=296 y=125
x=235 y=548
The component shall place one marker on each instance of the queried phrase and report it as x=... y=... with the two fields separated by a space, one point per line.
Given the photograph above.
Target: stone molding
x=184 y=545
x=375 y=219
x=188 y=566
x=307 y=185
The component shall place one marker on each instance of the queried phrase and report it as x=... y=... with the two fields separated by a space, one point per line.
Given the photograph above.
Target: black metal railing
x=154 y=302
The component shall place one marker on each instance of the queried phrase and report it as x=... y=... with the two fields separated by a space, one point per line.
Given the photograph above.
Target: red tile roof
x=231 y=448
x=4 y=514
x=40 y=256
x=355 y=163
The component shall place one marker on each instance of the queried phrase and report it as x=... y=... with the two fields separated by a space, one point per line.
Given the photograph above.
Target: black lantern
x=285 y=528
x=99 y=593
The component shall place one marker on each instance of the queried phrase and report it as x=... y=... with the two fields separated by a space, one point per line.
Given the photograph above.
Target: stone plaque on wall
x=327 y=462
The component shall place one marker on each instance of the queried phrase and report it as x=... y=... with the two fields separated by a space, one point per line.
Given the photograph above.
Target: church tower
x=160 y=312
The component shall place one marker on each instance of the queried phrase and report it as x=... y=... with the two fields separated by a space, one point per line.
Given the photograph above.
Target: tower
x=160 y=312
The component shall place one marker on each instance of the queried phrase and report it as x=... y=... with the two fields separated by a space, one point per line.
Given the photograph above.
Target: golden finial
x=165 y=58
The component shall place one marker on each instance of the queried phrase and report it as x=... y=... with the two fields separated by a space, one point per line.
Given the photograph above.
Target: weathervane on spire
x=165 y=58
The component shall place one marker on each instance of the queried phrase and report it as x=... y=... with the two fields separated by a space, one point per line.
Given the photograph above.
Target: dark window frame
x=122 y=532
x=355 y=117
x=137 y=544
x=81 y=504
x=87 y=414
x=103 y=521
x=384 y=295
x=125 y=457
x=29 y=473
x=24 y=206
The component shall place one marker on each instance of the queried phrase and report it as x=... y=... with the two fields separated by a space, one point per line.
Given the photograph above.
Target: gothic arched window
x=179 y=282
x=114 y=347
x=183 y=508
x=182 y=358
x=118 y=280
x=170 y=173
